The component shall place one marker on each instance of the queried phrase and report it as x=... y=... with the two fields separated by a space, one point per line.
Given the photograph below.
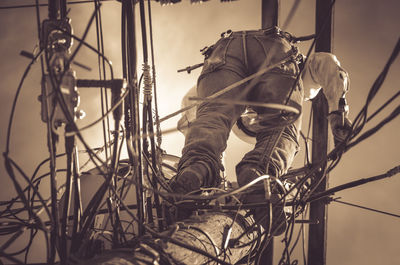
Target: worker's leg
x=206 y=138
x=277 y=142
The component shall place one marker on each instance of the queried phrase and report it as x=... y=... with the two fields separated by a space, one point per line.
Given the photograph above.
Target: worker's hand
x=340 y=126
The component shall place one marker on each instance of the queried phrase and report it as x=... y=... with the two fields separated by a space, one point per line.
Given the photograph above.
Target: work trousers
x=232 y=58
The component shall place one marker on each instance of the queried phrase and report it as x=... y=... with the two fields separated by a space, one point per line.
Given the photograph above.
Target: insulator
x=147 y=81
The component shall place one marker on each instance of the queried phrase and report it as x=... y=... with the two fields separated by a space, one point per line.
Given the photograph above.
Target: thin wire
x=291 y=14
x=361 y=118
x=153 y=67
x=27 y=189
x=56 y=85
x=100 y=47
x=383 y=106
x=308 y=137
x=5 y=255
x=60 y=96
x=10 y=121
x=232 y=86
x=367 y=208
x=373 y=130
x=81 y=40
x=69 y=3
x=9 y=163
x=31 y=213
x=117 y=104
x=169 y=239
x=274 y=106
x=303 y=238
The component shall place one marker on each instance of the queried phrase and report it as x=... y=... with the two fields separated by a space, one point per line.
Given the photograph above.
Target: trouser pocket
x=216 y=58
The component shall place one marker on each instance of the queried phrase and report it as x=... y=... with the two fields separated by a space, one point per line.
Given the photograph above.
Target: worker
x=271 y=110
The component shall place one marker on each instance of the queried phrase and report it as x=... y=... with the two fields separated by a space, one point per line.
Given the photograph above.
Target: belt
x=267 y=31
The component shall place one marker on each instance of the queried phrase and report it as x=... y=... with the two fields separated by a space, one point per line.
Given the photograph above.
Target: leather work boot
x=256 y=194
x=191 y=178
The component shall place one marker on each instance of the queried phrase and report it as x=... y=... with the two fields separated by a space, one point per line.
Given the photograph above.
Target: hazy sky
x=365 y=32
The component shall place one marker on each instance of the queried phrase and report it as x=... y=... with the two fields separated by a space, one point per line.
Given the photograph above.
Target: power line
x=367 y=208
x=34 y=5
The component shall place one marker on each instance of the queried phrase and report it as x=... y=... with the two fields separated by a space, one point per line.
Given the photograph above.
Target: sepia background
x=365 y=32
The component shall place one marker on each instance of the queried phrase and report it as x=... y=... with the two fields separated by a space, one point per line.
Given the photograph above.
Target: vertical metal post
x=132 y=122
x=269 y=15
x=269 y=18
x=318 y=210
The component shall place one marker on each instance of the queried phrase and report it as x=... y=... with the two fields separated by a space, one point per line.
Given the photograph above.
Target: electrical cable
x=15 y=102
x=355 y=183
x=361 y=117
x=303 y=245
x=8 y=138
x=114 y=107
x=250 y=78
x=169 y=239
x=61 y=98
x=132 y=121
x=273 y=106
x=367 y=208
x=307 y=154
x=298 y=235
x=287 y=239
x=69 y=3
x=26 y=248
x=284 y=196
x=290 y=16
x=9 y=164
x=9 y=257
x=94 y=203
x=383 y=106
x=373 y=130
x=27 y=189
x=196 y=238
x=52 y=139
x=392 y=116
x=104 y=97
x=156 y=114
x=148 y=115
x=160 y=180
x=55 y=84
x=35 y=217
x=11 y=119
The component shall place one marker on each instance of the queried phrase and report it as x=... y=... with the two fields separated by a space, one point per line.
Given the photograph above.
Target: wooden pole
x=202 y=239
x=210 y=233
x=318 y=210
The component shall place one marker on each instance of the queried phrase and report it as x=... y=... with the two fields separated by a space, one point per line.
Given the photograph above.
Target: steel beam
x=317 y=238
x=269 y=18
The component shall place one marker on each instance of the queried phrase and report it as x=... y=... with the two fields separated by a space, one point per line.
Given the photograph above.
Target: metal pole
x=318 y=210
x=269 y=15
x=269 y=18
x=132 y=106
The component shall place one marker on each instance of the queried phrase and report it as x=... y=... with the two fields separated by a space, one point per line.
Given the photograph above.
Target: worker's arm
x=323 y=70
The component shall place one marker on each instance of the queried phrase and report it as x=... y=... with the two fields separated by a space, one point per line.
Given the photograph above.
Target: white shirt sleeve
x=189 y=115
x=323 y=70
